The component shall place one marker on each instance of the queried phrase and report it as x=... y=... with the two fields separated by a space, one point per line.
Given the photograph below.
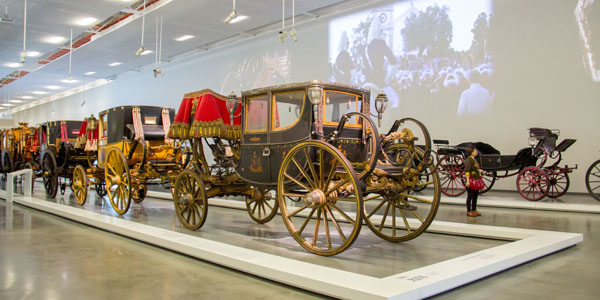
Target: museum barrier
x=10 y=177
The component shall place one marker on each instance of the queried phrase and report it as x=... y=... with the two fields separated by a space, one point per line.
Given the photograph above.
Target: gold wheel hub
x=315 y=198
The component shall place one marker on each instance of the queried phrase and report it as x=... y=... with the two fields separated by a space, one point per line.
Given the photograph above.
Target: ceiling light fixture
x=33 y=54
x=183 y=37
x=85 y=21
x=7 y=104
x=16 y=101
x=238 y=19
x=12 y=65
x=90 y=73
x=69 y=80
x=53 y=87
x=141 y=49
x=234 y=14
x=54 y=39
x=114 y=64
x=39 y=92
x=27 y=97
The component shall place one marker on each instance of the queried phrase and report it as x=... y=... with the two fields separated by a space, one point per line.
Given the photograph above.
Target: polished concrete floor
x=46 y=257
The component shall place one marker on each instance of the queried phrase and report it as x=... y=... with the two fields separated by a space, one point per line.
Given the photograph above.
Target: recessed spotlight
x=238 y=19
x=33 y=53
x=16 y=101
x=55 y=39
x=12 y=65
x=69 y=80
x=84 y=21
x=7 y=104
x=184 y=38
x=39 y=92
x=27 y=97
x=146 y=52
x=90 y=73
x=53 y=87
x=114 y=64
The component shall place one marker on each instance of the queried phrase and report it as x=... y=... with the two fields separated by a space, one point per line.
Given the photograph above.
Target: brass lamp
x=232 y=106
x=381 y=103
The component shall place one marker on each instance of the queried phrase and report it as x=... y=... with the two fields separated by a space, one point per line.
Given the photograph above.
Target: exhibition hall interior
x=299 y=149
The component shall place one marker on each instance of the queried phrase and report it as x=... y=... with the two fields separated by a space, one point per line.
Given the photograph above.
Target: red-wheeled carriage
x=537 y=167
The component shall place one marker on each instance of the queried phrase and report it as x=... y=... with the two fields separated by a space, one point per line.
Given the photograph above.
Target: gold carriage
x=133 y=151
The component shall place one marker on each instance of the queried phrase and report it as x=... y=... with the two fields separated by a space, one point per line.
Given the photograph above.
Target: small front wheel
x=118 y=181
x=533 y=183
x=190 y=200
x=80 y=184
x=262 y=207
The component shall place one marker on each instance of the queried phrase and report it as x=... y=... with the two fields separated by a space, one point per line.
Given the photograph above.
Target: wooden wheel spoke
x=394 y=220
x=293 y=195
x=316 y=232
x=376 y=208
x=326 y=228
x=306 y=221
x=341 y=212
x=268 y=205
x=330 y=175
x=312 y=184
x=405 y=221
x=296 y=181
x=311 y=167
x=303 y=207
x=321 y=167
x=371 y=198
x=343 y=199
x=335 y=224
x=255 y=206
x=414 y=213
x=416 y=198
x=338 y=185
x=387 y=210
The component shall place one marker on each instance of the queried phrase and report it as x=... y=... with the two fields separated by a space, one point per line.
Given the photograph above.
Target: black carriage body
x=118 y=123
x=58 y=140
x=262 y=149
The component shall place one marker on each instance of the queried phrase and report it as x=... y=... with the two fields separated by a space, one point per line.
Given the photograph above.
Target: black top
x=472 y=168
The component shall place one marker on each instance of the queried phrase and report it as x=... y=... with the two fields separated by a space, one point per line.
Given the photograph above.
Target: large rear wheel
x=327 y=216
x=118 y=181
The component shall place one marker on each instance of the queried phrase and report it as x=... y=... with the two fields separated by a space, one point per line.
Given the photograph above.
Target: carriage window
x=337 y=104
x=287 y=108
x=256 y=114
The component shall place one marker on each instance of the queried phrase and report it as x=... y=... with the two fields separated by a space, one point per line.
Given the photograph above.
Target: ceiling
x=119 y=42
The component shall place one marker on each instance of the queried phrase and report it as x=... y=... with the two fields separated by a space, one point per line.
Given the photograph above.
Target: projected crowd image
x=435 y=52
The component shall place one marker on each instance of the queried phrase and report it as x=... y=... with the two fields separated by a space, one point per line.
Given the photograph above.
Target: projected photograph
x=587 y=14
x=434 y=52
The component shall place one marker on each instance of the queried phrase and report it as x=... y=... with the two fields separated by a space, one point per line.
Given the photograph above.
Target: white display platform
x=415 y=284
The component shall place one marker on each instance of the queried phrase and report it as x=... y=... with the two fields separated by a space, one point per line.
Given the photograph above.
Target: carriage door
x=102 y=133
x=290 y=124
x=255 y=165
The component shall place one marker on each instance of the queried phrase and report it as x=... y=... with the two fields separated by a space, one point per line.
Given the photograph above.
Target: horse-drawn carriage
x=62 y=150
x=20 y=148
x=316 y=146
x=537 y=167
x=132 y=151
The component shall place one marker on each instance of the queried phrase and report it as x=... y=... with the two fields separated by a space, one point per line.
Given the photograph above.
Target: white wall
x=539 y=81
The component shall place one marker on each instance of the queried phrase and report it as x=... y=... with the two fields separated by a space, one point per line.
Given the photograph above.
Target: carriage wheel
x=326 y=185
x=101 y=188
x=262 y=207
x=139 y=193
x=118 y=181
x=50 y=175
x=80 y=184
x=400 y=216
x=592 y=180
x=452 y=172
x=190 y=200
x=559 y=184
x=489 y=178
x=533 y=183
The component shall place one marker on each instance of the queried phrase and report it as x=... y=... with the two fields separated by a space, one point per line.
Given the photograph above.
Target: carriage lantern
x=314 y=95
x=92 y=123
x=381 y=103
x=232 y=106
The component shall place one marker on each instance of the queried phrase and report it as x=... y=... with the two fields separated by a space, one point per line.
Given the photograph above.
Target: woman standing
x=472 y=173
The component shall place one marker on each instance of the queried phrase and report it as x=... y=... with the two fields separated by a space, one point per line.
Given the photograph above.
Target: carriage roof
x=127 y=109
x=120 y=121
x=298 y=85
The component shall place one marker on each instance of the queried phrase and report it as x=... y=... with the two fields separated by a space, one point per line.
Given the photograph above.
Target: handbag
x=476 y=184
